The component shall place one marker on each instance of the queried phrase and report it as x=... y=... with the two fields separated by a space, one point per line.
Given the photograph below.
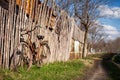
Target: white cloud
x=106 y=11
x=111 y=31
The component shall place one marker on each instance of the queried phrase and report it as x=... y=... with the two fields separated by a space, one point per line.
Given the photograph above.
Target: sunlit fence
x=23 y=19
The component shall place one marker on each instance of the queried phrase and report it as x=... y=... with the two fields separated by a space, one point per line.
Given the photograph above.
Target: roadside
x=93 y=68
x=100 y=73
x=96 y=72
x=112 y=69
x=54 y=71
x=104 y=69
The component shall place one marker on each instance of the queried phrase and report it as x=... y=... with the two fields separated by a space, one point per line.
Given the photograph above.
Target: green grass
x=55 y=71
x=91 y=56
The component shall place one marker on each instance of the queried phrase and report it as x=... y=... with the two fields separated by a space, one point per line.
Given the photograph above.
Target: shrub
x=116 y=58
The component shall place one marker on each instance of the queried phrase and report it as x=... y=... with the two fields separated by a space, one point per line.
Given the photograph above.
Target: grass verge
x=69 y=70
x=92 y=56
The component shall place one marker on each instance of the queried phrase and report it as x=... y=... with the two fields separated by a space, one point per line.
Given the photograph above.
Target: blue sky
x=111 y=18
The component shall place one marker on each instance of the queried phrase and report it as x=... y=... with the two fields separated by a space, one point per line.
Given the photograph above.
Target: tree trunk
x=84 y=52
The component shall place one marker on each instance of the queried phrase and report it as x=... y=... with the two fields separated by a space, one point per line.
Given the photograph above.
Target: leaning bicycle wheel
x=16 y=58
x=27 y=56
x=45 y=53
x=21 y=56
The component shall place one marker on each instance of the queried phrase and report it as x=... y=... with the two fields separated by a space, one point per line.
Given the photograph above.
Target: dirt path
x=99 y=73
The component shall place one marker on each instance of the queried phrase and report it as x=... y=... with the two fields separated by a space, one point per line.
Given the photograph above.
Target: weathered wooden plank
x=40 y=13
x=1 y=27
x=51 y=12
x=0 y=36
x=4 y=30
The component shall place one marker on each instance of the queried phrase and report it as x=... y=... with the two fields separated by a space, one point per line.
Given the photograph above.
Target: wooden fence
x=42 y=21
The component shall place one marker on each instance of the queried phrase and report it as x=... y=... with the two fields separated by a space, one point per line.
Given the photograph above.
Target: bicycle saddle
x=40 y=37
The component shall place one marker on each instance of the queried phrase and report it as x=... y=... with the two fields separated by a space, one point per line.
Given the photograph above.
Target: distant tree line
x=111 y=46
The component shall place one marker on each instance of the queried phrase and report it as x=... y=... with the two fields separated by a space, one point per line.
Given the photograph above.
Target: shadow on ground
x=112 y=70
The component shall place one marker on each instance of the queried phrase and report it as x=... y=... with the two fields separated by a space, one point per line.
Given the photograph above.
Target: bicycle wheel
x=21 y=56
x=27 y=56
x=16 y=59
x=45 y=53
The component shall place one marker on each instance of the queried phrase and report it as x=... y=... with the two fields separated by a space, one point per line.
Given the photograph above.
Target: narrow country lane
x=104 y=69
x=100 y=73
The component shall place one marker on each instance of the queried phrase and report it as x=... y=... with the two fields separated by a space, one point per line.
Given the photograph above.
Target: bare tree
x=96 y=34
x=110 y=46
x=100 y=46
x=86 y=11
x=113 y=46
